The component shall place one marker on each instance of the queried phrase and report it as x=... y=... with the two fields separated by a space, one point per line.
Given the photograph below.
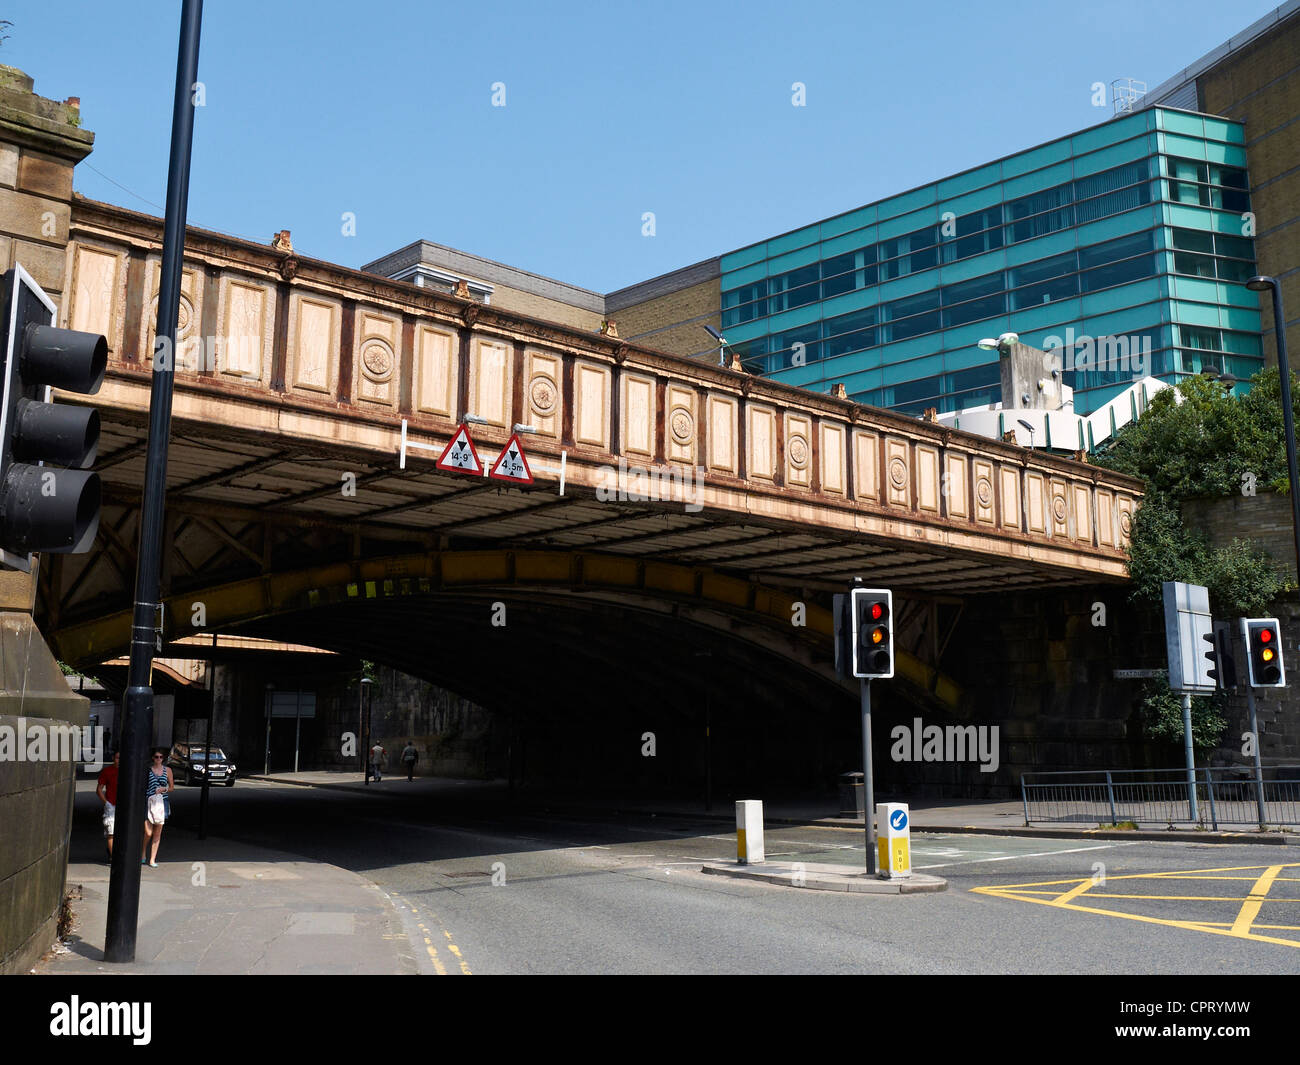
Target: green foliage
x=1241 y=579
x=1162 y=716
x=1206 y=445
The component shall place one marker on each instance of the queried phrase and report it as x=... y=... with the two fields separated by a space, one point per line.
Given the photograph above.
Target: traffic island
x=824 y=877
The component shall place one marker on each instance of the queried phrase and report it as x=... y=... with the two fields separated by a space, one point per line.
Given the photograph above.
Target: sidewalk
x=217 y=906
x=1004 y=818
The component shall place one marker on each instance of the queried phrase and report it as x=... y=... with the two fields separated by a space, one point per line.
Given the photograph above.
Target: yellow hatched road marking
x=1075 y=892
x=1187 y=898
x=1242 y=928
x=1250 y=909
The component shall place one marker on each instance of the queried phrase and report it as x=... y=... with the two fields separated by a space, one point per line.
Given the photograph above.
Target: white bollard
x=749 y=831
x=893 y=841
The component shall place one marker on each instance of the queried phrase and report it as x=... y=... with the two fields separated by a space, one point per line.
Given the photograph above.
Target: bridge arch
x=443 y=593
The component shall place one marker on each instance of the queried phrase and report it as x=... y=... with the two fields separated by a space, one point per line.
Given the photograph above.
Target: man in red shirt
x=106 y=789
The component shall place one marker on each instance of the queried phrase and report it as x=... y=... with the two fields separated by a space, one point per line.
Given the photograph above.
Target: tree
x=1210 y=444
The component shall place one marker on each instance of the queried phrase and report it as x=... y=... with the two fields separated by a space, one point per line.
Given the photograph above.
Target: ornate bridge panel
x=294 y=378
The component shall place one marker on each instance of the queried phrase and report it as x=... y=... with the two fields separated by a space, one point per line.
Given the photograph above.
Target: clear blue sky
x=385 y=109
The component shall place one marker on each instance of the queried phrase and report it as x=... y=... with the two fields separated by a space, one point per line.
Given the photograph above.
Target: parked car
x=190 y=762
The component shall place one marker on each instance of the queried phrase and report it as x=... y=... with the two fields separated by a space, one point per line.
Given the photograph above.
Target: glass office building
x=1126 y=244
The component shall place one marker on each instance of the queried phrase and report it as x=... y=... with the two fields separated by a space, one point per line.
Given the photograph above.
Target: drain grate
x=457 y=876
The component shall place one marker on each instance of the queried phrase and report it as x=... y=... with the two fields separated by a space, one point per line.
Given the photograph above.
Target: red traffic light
x=1264 y=652
x=877 y=610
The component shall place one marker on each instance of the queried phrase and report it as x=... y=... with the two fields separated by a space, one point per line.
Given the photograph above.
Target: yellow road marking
x=1251 y=907
x=456 y=950
x=1075 y=892
x=1242 y=928
x=1135 y=876
x=1188 y=898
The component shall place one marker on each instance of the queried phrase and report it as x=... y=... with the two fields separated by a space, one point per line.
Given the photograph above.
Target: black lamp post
x=363 y=704
x=1263 y=283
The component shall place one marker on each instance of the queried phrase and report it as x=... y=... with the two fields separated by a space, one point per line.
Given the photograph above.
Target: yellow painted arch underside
x=257 y=597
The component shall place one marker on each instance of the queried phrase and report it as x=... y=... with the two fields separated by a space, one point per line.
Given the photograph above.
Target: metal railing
x=1225 y=795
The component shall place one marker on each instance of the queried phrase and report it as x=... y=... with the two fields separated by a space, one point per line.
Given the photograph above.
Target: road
x=481 y=890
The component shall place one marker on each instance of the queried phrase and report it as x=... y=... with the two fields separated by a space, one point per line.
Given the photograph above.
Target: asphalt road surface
x=534 y=892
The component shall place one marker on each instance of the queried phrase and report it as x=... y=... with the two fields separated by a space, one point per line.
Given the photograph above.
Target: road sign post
x=1187 y=624
x=1259 y=765
x=868 y=787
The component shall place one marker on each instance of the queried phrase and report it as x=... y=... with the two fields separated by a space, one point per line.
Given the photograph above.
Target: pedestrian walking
x=160 y=783
x=377 y=754
x=409 y=757
x=106 y=789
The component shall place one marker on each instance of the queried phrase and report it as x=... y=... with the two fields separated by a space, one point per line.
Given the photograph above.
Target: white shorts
x=109 y=817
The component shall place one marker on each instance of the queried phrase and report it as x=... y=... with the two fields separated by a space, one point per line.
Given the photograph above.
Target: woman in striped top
x=160 y=784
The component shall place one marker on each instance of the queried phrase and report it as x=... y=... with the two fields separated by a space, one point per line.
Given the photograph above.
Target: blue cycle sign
x=898 y=820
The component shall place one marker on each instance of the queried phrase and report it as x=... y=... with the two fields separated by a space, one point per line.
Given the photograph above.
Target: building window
x=911 y=316
x=974 y=300
x=849 y=332
x=1045 y=281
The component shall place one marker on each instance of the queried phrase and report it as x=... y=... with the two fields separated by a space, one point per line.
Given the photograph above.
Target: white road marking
x=1038 y=854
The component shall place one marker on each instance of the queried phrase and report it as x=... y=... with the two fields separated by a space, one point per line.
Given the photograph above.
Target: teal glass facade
x=1125 y=245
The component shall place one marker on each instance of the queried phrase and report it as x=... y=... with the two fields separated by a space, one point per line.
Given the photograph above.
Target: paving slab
x=222 y=907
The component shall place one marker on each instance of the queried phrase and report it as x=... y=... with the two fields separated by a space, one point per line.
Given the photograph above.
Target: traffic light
x=48 y=500
x=873 y=633
x=1263 y=638
x=1223 y=665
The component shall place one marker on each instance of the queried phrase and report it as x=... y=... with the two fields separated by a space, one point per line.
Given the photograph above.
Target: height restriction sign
x=460 y=455
x=511 y=465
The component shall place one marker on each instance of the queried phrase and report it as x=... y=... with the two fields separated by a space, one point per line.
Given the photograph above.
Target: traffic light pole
x=868 y=785
x=137 y=713
x=1190 y=753
x=1259 y=765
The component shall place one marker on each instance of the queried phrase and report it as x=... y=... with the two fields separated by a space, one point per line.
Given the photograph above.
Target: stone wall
x=1039 y=666
x=455 y=737
x=1259 y=86
x=40 y=143
x=35 y=795
x=1264 y=519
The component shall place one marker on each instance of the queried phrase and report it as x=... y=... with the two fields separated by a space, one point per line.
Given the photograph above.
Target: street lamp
x=270 y=705
x=1263 y=283
x=1002 y=345
x=363 y=725
x=708 y=735
x=722 y=344
x=1028 y=426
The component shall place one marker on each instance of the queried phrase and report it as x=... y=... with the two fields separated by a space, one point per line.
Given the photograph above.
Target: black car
x=190 y=762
